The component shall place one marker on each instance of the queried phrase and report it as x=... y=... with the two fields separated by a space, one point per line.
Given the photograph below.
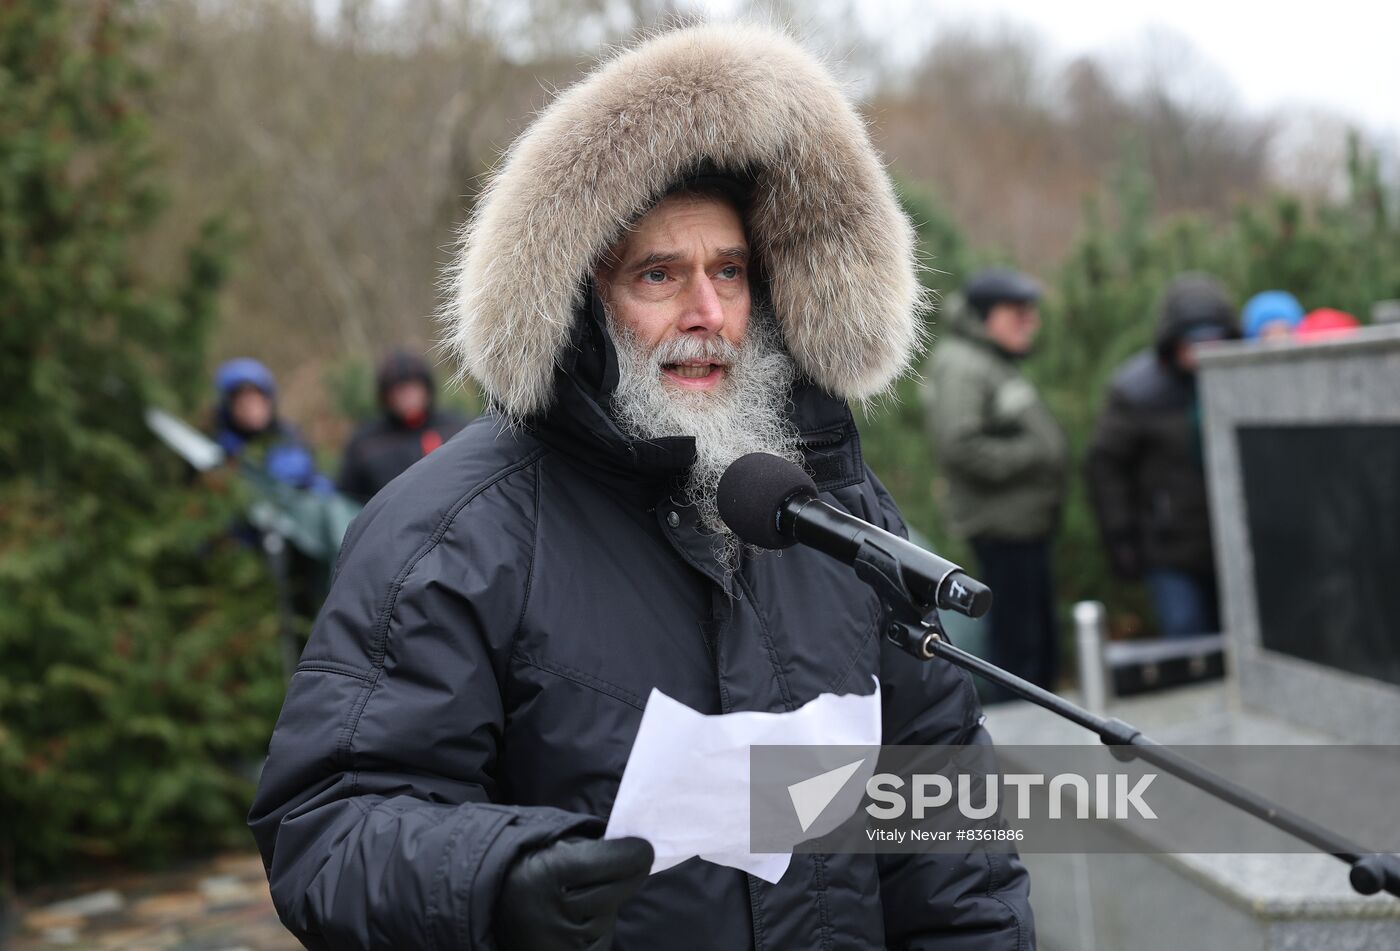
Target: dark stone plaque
x=1324 y=527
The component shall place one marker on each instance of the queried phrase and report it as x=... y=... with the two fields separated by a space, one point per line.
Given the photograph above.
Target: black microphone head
x=752 y=492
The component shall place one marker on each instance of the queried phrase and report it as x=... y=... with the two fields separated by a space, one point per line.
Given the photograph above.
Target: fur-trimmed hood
x=823 y=218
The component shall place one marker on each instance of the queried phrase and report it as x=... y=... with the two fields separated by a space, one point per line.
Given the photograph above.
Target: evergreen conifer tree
x=138 y=668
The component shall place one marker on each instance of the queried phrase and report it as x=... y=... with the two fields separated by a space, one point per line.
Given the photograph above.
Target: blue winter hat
x=1266 y=307
x=243 y=371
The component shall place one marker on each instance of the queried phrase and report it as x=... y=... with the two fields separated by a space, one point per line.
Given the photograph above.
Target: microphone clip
x=905 y=621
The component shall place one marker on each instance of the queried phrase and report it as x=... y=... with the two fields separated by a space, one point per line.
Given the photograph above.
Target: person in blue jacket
x=247 y=427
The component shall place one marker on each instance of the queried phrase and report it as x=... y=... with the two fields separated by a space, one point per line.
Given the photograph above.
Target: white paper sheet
x=686 y=786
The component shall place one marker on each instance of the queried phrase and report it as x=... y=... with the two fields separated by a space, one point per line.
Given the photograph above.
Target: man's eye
x=730 y=272
x=655 y=276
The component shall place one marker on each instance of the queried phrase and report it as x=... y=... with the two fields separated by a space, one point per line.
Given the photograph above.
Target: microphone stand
x=915 y=627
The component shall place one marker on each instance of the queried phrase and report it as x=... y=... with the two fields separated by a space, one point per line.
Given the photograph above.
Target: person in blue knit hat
x=1271 y=314
x=248 y=429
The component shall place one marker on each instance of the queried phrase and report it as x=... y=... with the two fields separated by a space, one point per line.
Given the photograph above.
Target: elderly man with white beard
x=691 y=255
x=695 y=358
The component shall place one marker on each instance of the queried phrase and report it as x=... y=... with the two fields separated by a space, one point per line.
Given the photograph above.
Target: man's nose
x=702 y=311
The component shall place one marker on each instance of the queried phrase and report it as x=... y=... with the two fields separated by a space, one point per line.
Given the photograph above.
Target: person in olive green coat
x=1004 y=459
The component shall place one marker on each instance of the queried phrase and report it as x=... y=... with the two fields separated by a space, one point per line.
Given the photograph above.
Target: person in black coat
x=1146 y=464
x=410 y=427
x=653 y=285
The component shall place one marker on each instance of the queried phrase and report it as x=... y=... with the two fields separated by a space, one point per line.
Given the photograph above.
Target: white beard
x=746 y=413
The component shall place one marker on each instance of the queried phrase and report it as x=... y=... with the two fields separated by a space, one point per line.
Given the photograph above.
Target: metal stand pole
x=1090 y=624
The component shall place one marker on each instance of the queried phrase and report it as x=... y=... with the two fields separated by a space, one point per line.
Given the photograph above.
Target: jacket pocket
x=580 y=677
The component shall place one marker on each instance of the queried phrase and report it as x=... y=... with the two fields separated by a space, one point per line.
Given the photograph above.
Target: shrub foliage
x=138 y=670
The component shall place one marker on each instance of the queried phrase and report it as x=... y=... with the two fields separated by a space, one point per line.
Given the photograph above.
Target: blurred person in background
x=1326 y=322
x=410 y=427
x=248 y=429
x=258 y=443
x=1004 y=458
x=1146 y=468
x=1270 y=315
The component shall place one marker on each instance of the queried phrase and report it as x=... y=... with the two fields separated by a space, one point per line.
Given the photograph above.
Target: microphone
x=769 y=502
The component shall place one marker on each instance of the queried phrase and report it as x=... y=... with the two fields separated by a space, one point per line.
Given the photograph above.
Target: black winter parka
x=1146 y=472
x=1145 y=466
x=475 y=680
x=382 y=448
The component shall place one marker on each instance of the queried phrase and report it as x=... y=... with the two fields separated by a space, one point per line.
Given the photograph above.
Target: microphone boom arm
x=913 y=625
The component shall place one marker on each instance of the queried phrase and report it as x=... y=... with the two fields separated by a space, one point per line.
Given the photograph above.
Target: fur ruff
x=824 y=221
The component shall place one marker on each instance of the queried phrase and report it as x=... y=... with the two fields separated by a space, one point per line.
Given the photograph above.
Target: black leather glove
x=565 y=896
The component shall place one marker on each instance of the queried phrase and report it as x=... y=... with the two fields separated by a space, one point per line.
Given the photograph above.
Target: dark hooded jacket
x=1145 y=464
x=384 y=447
x=501 y=612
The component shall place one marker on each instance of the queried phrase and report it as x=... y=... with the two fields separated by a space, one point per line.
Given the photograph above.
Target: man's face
x=251 y=409
x=682 y=274
x=1186 y=356
x=1012 y=325
x=408 y=400
x=694 y=357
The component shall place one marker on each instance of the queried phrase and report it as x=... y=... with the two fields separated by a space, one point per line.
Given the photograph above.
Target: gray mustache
x=714 y=349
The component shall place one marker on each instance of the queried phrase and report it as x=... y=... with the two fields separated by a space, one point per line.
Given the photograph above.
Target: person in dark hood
x=1146 y=468
x=248 y=429
x=692 y=254
x=410 y=427
x=1003 y=458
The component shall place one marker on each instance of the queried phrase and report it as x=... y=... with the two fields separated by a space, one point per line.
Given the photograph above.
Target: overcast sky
x=1340 y=54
